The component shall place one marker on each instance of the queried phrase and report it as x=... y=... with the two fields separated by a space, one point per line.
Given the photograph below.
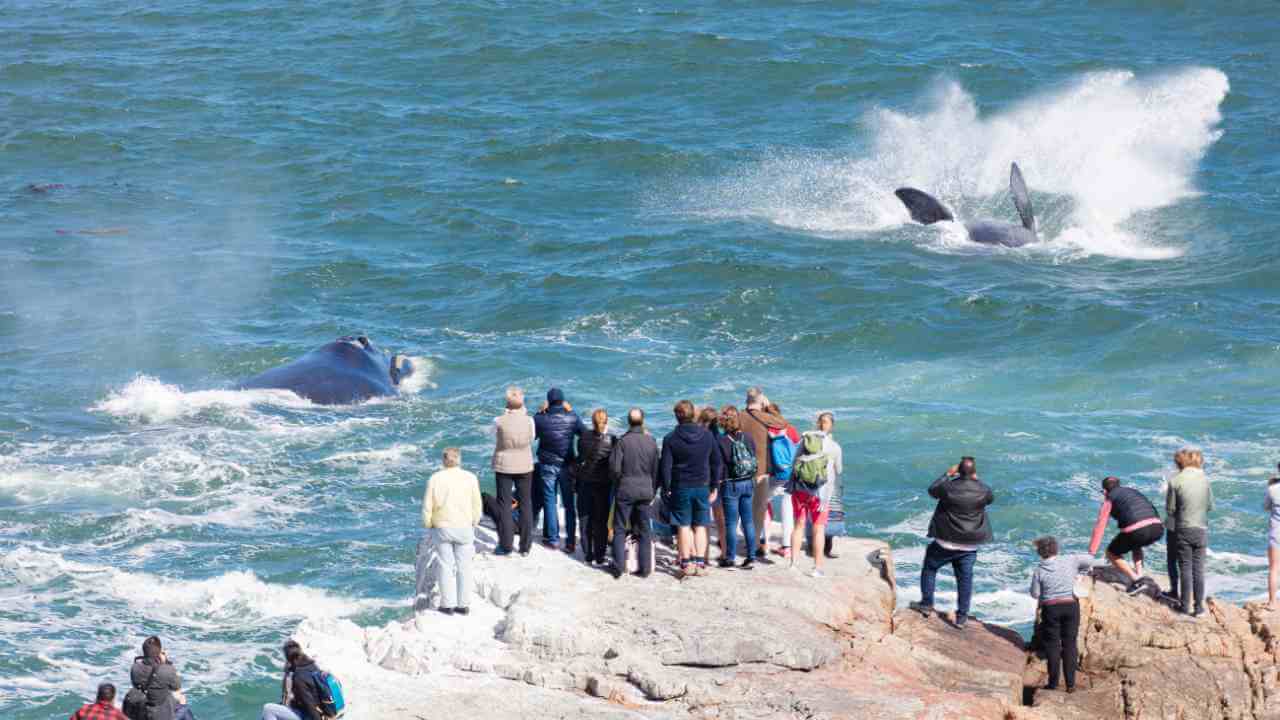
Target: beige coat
x=513 y=449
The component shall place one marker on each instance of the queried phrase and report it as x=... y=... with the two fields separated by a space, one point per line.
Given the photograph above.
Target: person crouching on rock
x=591 y=475
x=1053 y=585
x=451 y=510
x=633 y=464
x=299 y=696
x=690 y=473
x=958 y=527
x=1139 y=524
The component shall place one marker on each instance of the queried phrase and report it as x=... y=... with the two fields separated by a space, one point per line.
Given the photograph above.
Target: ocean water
x=636 y=202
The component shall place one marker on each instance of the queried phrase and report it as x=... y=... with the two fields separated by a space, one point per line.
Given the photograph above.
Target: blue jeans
x=272 y=711
x=735 y=498
x=961 y=561
x=555 y=479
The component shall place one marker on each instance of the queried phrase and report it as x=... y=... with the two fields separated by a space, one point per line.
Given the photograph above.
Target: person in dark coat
x=633 y=465
x=959 y=525
x=299 y=696
x=591 y=476
x=557 y=428
x=690 y=472
x=156 y=676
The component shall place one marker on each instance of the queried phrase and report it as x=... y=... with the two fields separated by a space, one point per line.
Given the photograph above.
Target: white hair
x=452 y=457
x=515 y=397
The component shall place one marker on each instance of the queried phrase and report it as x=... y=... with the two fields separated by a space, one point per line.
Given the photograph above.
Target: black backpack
x=135 y=701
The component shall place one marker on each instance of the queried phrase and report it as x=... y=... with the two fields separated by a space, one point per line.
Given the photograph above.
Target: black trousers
x=522 y=485
x=1059 y=626
x=632 y=516
x=593 y=518
x=1192 y=544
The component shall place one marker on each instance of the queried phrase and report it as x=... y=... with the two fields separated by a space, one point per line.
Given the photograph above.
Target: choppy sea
x=636 y=202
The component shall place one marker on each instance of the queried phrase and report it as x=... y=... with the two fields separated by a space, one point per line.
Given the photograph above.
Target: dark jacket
x=961 y=515
x=556 y=428
x=593 y=457
x=1128 y=506
x=690 y=458
x=634 y=465
x=161 y=705
x=305 y=698
x=726 y=455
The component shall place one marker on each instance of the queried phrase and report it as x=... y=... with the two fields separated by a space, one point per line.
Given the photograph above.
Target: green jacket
x=1189 y=500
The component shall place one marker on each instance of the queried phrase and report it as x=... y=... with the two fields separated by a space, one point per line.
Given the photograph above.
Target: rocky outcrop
x=550 y=637
x=1142 y=661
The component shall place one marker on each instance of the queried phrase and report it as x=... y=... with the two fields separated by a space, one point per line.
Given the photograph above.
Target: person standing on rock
x=1271 y=503
x=709 y=418
x=756 y=422
x=959 y=525
x=1188 y=503
x=689 y=470
x=513 y=470
x=633 y=464
x=557 y=426
x=818 y=460
x=835 y=505
x=1053 y=585
x=1140 y=526
x=592 y=478
x=451 y=510
x=738 y=457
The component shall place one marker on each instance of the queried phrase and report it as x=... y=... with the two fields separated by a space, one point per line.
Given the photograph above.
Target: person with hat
x=557 y=428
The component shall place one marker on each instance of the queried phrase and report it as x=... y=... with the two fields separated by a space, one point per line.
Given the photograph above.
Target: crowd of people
x=730 y=470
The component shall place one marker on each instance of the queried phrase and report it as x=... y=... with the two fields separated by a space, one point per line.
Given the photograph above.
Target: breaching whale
x=345 y=371
x=926 y=210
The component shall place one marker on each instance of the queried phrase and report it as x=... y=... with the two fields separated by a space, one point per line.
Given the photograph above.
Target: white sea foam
x=146 y=399
x=1096 y=153
x=398 y=453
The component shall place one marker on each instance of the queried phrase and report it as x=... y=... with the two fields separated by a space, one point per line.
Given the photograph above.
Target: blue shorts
x=691 y=507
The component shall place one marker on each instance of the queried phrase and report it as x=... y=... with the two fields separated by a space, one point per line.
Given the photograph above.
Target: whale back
x=924 y=208
x=1021 y=199
x=346 y=371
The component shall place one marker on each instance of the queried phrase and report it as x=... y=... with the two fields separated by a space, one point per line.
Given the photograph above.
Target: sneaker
x=446 y=611
x=760 y=553
x=725 y=563
x=616 y=572
x=502 y=552
x=462 y=611
x=925 y=610
x=1197 y=612
x=816 y=573
x=961 y=621
x=747 y=564
x=784 y=552
x=524 y=553
x=550 y=545
x=569 y=548
x=1071 y=689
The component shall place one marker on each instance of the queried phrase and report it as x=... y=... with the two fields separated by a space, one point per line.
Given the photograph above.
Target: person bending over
x=1053 y=584
x=689 y=471
x=1140 y=526
x=104 y=708
x=959 y=525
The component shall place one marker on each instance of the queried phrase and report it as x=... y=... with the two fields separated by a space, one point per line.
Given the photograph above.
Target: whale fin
x=924 y=208
x=1021 y=200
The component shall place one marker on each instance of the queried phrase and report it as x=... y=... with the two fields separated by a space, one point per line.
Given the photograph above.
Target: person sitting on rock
x=299 y=694
x=1139 y=524
x=451 y=510
x=959 y=525
x=1053 y=585
x=690 y=472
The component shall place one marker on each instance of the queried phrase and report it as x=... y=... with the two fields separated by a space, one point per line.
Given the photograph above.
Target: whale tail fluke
x=924 y=208
x=1021 y=200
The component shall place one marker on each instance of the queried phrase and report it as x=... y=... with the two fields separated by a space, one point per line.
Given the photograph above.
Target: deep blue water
x=636 y=202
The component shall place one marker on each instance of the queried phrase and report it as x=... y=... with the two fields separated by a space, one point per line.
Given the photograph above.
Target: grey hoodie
x=1055 y=578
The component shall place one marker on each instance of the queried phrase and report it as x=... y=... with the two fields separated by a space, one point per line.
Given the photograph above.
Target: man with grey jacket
x=633 y=465
x=1187 y=505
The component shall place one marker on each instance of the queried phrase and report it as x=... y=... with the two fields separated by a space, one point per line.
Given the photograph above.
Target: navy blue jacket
x=556 y=429
x=690 y=458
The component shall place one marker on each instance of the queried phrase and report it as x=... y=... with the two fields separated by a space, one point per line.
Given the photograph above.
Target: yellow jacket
x=452 y=500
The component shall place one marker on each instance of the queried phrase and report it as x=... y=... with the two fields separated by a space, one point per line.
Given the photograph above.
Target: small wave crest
x=146 y=399
x=1105 y=148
